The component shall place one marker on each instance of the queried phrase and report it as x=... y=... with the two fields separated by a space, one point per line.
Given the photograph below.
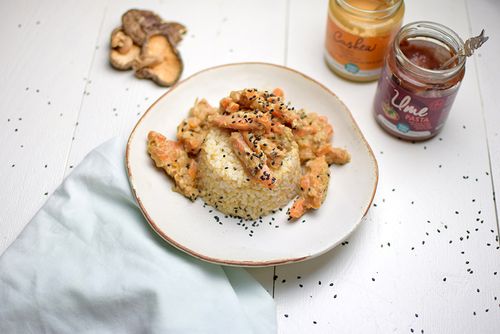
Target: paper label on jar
x=409 y=113
x=354 y=54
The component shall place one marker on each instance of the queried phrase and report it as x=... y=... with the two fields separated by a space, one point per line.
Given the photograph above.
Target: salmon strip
x=242 y=121
x=260 y=144
x=284 y=114
x=171 y=156
x=254 y=163
x=313 y=187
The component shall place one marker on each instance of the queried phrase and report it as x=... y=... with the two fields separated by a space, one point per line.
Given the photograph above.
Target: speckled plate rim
x=203 y=257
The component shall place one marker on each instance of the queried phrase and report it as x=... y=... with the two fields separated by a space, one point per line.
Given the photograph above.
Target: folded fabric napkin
x=89 y=263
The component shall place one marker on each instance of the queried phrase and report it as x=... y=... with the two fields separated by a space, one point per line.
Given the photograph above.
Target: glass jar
x=357 y=35
x=415 y=94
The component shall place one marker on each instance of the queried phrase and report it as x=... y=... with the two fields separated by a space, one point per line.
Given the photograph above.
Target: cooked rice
x=226 y=185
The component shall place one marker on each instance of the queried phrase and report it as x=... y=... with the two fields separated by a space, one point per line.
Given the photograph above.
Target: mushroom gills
x=159 y=61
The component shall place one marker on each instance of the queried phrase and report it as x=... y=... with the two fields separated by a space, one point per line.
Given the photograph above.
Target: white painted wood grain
x=399 y=272
x=47 y=51
x=484 y=15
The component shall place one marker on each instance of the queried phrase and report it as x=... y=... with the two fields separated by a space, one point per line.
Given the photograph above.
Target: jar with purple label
x=420 y=80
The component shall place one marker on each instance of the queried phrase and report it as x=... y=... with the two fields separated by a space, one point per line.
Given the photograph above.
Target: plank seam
x=287 y=28
x=85 y=89
x=484 y=122
x=285 y=62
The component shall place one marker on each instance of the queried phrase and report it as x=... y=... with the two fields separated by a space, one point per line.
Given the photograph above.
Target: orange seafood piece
x=334 y=155
x=313 y=187
x=242 y=121
x=227 y=104
x=279 y=92
x=193 y=130
x=260 y=144
x=171 y=156
x=254 y=163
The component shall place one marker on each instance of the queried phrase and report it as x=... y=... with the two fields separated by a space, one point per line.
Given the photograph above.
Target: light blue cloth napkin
x=89 y=263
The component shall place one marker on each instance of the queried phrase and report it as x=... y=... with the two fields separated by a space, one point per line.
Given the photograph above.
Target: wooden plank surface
x=426 y=257
x=484 y=15
x=48 y=49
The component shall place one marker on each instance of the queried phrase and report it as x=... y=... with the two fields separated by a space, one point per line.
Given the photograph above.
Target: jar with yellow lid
x=357 y=35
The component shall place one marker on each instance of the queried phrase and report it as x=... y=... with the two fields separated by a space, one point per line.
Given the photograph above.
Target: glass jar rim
x=434 y=31
x=388 y=11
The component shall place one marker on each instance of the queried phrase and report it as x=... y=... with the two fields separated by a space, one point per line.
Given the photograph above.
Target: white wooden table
x=426 y=258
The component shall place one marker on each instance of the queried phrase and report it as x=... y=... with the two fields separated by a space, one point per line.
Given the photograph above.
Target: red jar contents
x=414 y=94
x=426 y=54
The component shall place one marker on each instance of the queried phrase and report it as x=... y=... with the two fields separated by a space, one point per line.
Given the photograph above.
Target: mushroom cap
x=138 y=24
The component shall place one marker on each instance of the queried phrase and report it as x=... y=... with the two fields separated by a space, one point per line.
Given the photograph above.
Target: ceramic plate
x=205 y=233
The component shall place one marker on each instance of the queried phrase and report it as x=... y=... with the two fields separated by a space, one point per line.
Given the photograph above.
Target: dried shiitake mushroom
x=159 y=61
x=147 y=44
x=123 y=51
x=173 y=30
x=138 y=24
